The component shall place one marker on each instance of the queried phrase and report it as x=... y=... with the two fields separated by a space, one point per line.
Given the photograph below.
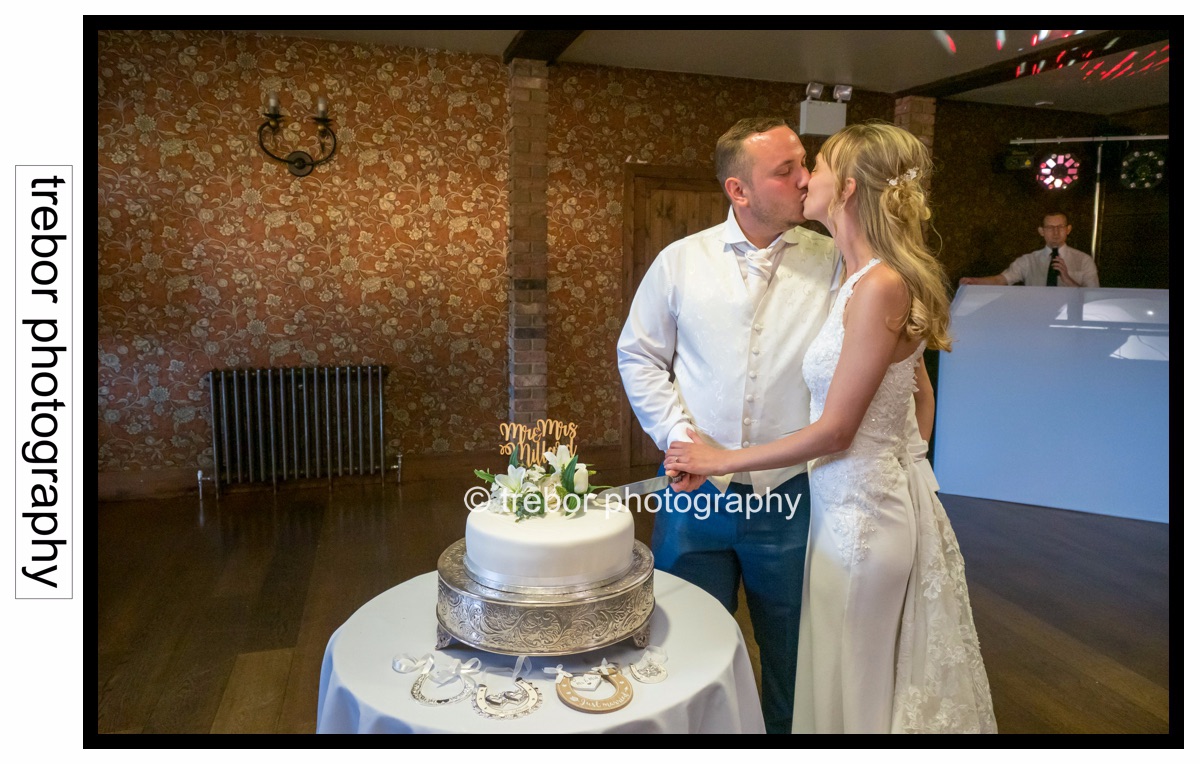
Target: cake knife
x=639 y=488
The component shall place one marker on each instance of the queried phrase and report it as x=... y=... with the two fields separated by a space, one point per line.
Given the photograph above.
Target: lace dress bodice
x=846 y=482
x=884 y=428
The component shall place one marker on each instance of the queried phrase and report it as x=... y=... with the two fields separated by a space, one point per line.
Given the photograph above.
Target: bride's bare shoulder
x=882 y=288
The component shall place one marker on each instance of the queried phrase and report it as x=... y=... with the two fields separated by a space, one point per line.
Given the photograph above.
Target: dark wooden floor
x=214 y=617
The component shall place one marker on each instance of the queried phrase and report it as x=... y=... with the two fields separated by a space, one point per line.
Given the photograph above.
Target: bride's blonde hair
x=891 y=168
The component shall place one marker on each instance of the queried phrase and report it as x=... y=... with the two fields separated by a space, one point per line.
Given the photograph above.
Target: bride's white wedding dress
x=887 y=642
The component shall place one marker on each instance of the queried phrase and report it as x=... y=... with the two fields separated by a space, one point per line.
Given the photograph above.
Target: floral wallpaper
x=598 y=118
x=212 y=256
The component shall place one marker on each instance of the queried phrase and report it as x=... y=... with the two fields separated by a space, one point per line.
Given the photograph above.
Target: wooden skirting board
x=181 y=481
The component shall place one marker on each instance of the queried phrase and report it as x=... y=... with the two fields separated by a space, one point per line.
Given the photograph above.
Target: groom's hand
x=687 y=482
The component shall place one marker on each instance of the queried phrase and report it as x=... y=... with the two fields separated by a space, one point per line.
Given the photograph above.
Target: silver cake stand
x=530 y=621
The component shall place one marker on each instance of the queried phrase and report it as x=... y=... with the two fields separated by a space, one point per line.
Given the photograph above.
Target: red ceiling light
x=1058 y=171
x=946 y=40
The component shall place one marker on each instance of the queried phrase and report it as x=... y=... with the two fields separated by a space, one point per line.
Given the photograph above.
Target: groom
x=715 y=339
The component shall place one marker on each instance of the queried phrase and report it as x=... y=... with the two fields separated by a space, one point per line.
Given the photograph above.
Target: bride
x=887 y=641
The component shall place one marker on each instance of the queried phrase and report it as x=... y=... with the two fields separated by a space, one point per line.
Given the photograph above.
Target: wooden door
x=662 y=204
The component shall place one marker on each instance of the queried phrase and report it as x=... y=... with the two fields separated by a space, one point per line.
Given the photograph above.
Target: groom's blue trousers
x=762 y=550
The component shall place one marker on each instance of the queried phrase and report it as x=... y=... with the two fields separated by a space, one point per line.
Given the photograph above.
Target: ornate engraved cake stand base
x=532 y=623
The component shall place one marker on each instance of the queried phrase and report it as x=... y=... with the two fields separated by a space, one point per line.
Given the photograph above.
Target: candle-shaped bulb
x=272 y=102
x=322 y=107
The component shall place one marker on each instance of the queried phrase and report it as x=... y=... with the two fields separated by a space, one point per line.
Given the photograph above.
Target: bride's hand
x=695 y=458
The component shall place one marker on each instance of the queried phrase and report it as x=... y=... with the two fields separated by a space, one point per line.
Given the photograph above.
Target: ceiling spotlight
x=814 y=91
x=842 y=93
x=1058 y=171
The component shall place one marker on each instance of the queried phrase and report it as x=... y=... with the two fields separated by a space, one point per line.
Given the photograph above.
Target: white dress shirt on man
x=1031 y=269
x=737 y=365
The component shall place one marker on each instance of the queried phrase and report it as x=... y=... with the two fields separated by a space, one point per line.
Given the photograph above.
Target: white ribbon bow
x=406 y=663
x=457 y=670
x=605 y=667
x=558 y=672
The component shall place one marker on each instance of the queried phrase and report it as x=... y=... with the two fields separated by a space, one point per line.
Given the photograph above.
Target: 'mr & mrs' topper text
x=526 y=445
x=544 y=474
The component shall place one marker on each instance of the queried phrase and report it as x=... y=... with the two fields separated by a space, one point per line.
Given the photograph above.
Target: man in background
x=1055 y=264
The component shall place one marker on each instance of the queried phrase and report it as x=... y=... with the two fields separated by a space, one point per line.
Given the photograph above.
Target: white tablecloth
x=709 y=687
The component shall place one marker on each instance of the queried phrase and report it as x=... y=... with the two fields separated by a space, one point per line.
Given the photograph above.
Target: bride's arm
x=874 y=319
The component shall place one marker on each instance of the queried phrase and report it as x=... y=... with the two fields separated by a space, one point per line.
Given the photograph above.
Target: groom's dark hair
x=730 y=159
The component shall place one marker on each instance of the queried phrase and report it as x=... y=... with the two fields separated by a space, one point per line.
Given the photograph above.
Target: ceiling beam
x=1125 y=39
x=540 y=44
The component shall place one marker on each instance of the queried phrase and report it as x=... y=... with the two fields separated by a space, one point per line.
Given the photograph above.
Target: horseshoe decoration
x=510 y=704
x=419 y=695
x=618 y=700
x=650 y=669
x=648 y=672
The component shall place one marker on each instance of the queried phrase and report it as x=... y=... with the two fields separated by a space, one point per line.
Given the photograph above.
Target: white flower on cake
x=532 y=491
x=559 y=458
x=511 y=484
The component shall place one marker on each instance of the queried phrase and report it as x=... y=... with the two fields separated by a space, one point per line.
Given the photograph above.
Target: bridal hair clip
x=910 y=174
x=649 y=669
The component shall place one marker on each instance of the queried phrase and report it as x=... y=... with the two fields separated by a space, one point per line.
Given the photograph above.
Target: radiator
x=285 y=424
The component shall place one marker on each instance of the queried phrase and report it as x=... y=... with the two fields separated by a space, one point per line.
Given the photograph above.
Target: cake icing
x=551 y=551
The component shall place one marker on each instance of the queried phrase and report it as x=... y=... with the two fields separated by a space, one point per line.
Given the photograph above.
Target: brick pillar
x=526 y=131
x=915 y=114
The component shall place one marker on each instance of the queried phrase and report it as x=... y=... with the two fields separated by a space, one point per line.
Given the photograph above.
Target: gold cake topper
x=531 y=442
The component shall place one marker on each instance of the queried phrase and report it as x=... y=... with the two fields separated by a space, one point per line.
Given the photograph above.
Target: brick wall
x=916 y=115
x=526 y=131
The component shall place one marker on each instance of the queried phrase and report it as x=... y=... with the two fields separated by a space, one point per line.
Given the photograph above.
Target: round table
x=709 y=687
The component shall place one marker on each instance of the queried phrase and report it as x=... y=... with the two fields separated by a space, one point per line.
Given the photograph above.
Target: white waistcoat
x=737 y=369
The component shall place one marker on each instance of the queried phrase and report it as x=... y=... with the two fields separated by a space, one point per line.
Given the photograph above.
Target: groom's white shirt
x=737 y=366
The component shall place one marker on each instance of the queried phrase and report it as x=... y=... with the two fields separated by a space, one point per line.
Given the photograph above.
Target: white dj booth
x=1058 y=397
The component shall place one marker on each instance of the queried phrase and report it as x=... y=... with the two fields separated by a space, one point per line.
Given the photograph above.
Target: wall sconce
x=822 y=117
x=299 y=163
